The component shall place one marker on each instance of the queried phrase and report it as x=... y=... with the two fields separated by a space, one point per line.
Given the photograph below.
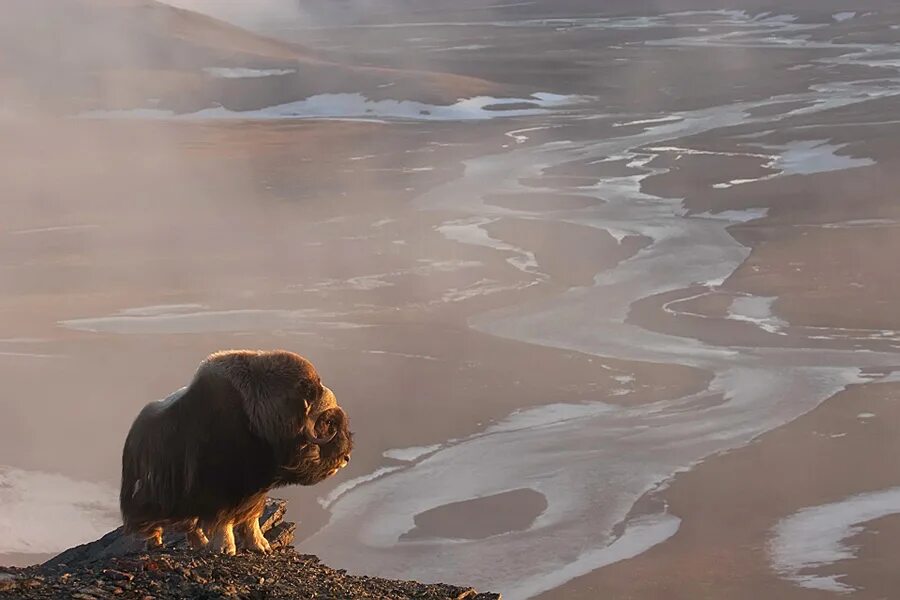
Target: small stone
x=93 y=592
x=262 y=580
x=118 y=575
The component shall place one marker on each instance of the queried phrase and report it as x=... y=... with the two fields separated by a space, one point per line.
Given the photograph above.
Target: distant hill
x=75 y=55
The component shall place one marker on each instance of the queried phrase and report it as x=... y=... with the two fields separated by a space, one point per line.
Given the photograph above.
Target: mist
x=577 y=273
x=256 y=15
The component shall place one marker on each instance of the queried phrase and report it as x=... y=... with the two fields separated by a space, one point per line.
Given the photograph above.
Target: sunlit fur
x=205 y=457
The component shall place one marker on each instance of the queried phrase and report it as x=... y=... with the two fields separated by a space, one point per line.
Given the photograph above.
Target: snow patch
x=756 y=310
x=412 y=453
x=345 y=487
x=45 y=512
x=354 y=106
x=243 y=73
x=814 y=537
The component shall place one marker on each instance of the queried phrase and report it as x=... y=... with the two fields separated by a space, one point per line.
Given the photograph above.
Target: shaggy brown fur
x=205 y=457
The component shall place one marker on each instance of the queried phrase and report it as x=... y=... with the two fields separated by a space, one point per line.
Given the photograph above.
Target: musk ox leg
x=197 y=538
x=223 y=541
x=154 y=539
x=252 y=535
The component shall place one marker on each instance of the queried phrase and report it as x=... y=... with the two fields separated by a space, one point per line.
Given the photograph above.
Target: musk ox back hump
x=191 y=456
x=149 y=480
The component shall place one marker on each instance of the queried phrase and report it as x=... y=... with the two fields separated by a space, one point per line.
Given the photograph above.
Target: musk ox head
x=314 y=462
x=207 y=455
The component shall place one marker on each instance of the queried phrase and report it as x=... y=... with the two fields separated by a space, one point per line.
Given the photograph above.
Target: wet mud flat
x=742 y=277
x=618 y=324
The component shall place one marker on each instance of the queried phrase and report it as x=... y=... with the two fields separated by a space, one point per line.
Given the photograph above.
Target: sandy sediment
x=731 y=505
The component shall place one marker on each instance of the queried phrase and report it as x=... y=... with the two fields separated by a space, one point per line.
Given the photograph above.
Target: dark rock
x=116 y=543
x=116 y=574
x=118 y=566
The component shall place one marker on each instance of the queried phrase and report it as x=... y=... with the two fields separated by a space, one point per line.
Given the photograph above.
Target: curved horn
x=309 y=430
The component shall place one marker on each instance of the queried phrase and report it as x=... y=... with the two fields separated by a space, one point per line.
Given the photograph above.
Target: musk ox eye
x=325 y=425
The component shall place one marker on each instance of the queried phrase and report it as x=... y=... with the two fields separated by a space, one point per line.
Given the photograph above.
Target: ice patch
x=472 y=232
x=518 y=134
x=618 y=234
x=52 y=229
x=345 y=487
x=666 y=119
x=843 y=16
x=466 y=47
x=814 y=156
x=27 y=355
x=892 y=377
x=483 y=287
x=362 y=283
x=381 y=280
x=402 y=354
x=160 y=309
x=756 y=310
x=412 y=453
x=734 y=182
x=737 y=216
x=45 y=512
x=242 y=73
x=813 y=538
x=804 y=157
x=861 y=223
x=353 y=106
x=640 y=535
x=221 y=321
x=549 y=415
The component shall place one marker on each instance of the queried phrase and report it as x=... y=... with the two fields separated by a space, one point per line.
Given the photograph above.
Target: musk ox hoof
x=252 y=537
x=223 y=541
x=223 y=549
x=197 y=539
x=155 y=539
x=260 y=545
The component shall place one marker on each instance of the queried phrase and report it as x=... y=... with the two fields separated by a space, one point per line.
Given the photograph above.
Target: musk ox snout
x=313 y=463
x=334 y=422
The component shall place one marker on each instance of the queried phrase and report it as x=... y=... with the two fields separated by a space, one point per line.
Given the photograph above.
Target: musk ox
x=202 y=460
